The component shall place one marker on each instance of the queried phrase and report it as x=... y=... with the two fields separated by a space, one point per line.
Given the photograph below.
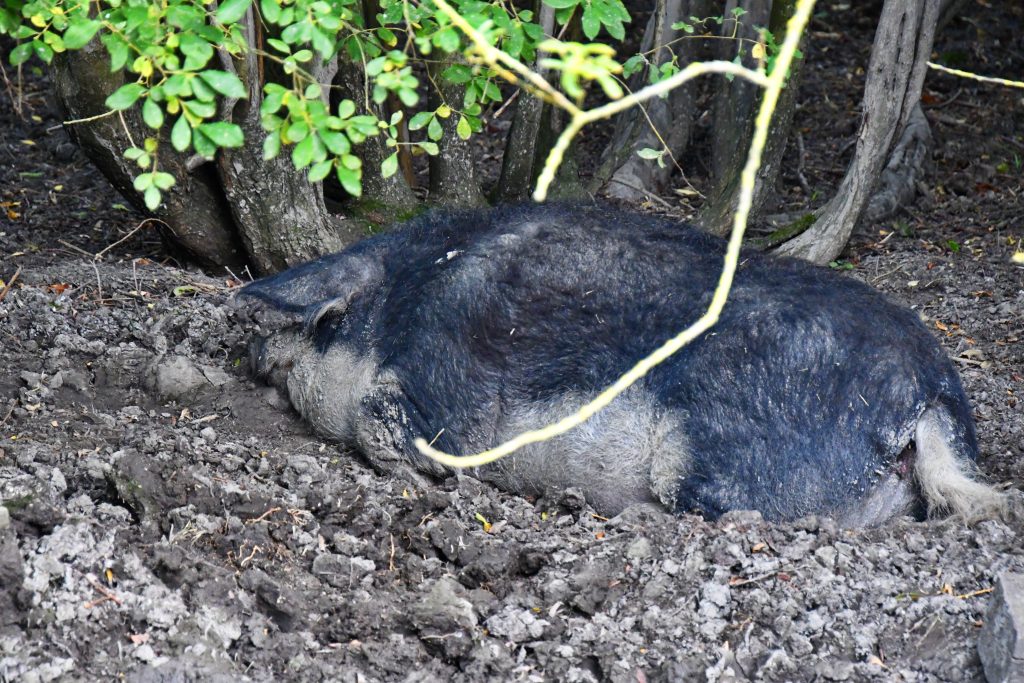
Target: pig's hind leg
x=934 y=475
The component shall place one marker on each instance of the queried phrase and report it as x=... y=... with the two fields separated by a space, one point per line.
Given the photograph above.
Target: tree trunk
x=282 y=216
x=520 y=164
x=452 y=171
x=892 y=91
x=898 y=185
x=736 y=99
x=194 y=215
x=384 y=200
x=534 y=130
x=623 y=173
x=736 y=108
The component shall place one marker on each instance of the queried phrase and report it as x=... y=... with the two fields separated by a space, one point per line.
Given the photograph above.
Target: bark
x=519 y=164
x=194 y=215
x=736 y=110
x=535 y=128
x=892 y=90
x=623 y=172
x=281 y=216
x=452 y=172
x=898 y=185
x=736 y=100
x=384 y=200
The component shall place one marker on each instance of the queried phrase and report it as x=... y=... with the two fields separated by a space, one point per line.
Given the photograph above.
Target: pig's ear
x=326 y=283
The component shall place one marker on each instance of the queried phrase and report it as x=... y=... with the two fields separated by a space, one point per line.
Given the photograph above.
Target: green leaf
x=80 y=33
x=648 y=153
x=8 y=21
x=203 y=145
x=389 y=166
x=125 y=96
x=320 y=171
x=163 y=181
x=227 y=84
x=337 y=143
x=428 y=147
x=447 y=39
x=271 y=146
x=615 y=29
x=42 y=50
x=223 y=134
x=420 y=120
x=302 y=155
x=143 y=182
x=271 y=103
x=20 y=54
x=351 y=180
x=561 y=4
x=270 y=10
x=491 y=92
x=196 y=50
x=408 y=96
x=204 y=110
x=231 y=11
x=322 y=42
x=591 y=24
x=152 y=198
x=152 y=114
x=463 y=130
x=118 y=50
x=457 y=73
x=296 y=132
x=434 y=130
x=202 y=91
x=346 y=108
x=279 y=45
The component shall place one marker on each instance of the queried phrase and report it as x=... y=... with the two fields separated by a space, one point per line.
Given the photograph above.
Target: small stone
x=640 y=549
x=1001 y=642
x=209 y=435
x=174 y=378
x=741 y=519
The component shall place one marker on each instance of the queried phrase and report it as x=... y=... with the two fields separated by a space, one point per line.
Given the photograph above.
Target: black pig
x=813 y=394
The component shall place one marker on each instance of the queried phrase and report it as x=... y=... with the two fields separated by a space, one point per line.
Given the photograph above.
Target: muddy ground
x=164 y=518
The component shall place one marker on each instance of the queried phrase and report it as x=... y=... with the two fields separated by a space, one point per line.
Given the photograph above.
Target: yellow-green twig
x=976 y=77
x=582 y=118
x=773 y=86
x=496 y=58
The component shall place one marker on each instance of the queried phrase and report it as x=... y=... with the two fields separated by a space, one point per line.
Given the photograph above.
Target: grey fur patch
x=327 y=388
x=889 y=498
x=631 y=452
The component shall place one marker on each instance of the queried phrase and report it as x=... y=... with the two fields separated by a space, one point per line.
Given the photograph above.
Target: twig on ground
x=131 y=232
x=72 y=247
x=10 y=283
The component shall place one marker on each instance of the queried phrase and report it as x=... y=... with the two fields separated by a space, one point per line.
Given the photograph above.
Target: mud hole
x=164 y=518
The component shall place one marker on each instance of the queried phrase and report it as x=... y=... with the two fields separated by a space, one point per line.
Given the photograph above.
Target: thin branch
x=976 y=77
x=496 y=57
x=582 y=118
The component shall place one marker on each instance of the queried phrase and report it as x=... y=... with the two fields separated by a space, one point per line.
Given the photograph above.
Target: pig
x=813 y=394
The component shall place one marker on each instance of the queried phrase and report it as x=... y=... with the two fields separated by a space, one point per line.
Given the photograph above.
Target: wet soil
x=164 y=518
